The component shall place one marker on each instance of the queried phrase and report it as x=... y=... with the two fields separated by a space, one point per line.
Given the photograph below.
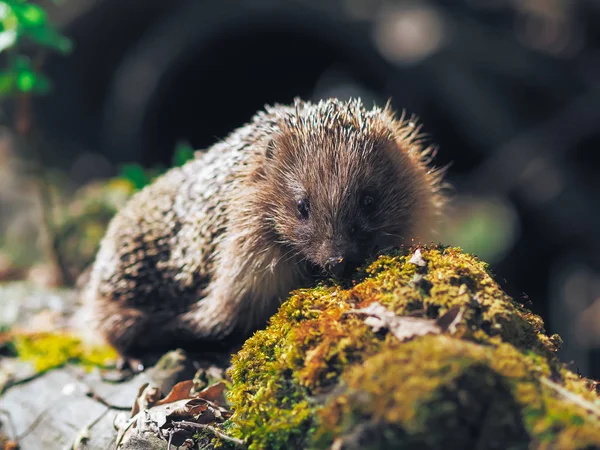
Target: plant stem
x=23 y=126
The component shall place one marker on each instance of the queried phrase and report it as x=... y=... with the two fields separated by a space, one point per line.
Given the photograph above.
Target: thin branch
x=213 y=430
x=11 y=383
x=23 y=125
x=11 y=424
x=123 y=430
x=574 y=398
x=100 y=400
x=90 y=393
x=84 y=433
x=97 y=419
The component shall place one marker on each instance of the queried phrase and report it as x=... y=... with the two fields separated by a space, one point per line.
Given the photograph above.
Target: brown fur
x=210 y=249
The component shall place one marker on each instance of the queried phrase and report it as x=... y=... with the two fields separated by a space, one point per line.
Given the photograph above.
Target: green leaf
x=136 y=175
x=8 y=26
x=26 y=81
x=7 y=83
x=6 y=12
x=8 y=18
x=50 y=38
x=183 y=153
x=22 y=18
x=32 y=22
x=32 y=16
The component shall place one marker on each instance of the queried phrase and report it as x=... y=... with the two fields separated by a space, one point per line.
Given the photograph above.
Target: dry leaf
x=163 y=417
x=147 y=396
x=214 y=393
x=188 y=410
x=417 y=259
x=11 y=445
x=403 y=327
x=179 y=392
x=448 y=321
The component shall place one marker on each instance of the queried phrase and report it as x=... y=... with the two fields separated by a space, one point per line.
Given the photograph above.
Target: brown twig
x=122 y=431
x=12 y=383
x=90 y=393
x=11 y=424
x=200 y=426
x=573 y=398
x=103 y=402
x=83 y=435
x=23 y=126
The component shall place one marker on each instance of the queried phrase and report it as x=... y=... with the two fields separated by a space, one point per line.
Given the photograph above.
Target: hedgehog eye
x=367 y=203
x=303 y=207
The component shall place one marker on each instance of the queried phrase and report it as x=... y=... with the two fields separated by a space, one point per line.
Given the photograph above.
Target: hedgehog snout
x=335 y=265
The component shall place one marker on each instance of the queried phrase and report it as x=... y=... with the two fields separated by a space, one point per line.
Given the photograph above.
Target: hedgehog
x=204 y=255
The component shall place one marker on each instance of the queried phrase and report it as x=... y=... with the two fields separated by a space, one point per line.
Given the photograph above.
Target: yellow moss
x=50 y=350
x=318 y=373
x=436 y=387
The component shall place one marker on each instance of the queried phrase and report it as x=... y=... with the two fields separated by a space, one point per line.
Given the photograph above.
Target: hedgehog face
x=337 y=213
x=334 y=231
x=341 y=195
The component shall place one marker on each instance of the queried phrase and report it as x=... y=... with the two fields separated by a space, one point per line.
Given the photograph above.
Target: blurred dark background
x=508 y=89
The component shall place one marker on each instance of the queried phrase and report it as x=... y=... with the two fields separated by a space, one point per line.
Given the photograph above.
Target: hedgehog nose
x=335 y=265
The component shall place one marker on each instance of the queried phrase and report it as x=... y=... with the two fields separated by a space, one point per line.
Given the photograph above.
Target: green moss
x=318 y=374
x=50 y=350
x=435 y=390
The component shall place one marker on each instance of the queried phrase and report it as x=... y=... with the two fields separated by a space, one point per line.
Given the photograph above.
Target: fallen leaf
x=147 y=396
x=189 y=409
x=195 y=410
x=179 y=392
x=11 y=445
x=158 y=416
x=406 y=327
x=448 y=321
x=214 y=393
x=417 y=259
x=207 y=376
x=163 y=417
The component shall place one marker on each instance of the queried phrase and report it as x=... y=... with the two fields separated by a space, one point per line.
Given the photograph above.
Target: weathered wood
x=60 y=409
x=51 y=411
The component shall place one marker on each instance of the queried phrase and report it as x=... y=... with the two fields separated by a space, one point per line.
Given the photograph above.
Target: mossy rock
x=319 y=377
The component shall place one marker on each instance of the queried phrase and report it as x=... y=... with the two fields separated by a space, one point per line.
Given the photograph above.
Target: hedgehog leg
x=123 y=328
x=133 y=332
